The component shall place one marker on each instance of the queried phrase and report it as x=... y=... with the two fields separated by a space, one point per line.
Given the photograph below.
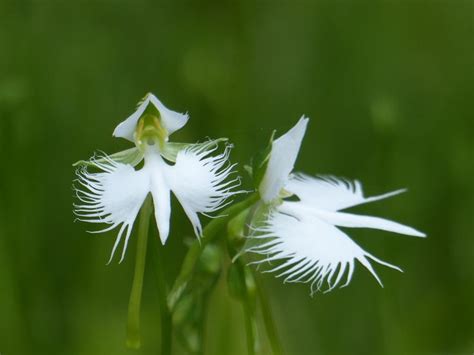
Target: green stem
x=249 y=329
x=165 y=315
x=133 y=324
x=249 y=306
x=258 y=216
x=209 y=234
x=268 y=318
x=245 y=290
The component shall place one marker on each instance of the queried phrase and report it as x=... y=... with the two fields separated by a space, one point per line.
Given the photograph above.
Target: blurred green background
x=389 y=88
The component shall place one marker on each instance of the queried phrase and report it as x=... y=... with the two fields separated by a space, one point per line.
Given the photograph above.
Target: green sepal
x=260 y=162
x=170 y=150
x=132 y=156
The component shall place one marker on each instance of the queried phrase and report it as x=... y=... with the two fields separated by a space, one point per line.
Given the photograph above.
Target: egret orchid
x=304 y=234
x=115 y=194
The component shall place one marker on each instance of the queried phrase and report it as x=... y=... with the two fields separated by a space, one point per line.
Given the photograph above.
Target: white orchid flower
x=303 y=234
x=115 y=194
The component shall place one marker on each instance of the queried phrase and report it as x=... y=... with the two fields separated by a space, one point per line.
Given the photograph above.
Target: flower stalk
x=248 y=300
x=268 y=320
x=133 y=324
x=165 y=315
x=255 y=290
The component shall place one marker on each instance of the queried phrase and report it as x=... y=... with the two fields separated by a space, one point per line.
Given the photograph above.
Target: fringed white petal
x=171 y=120
x=198 y=181
x=331 y=193
x=311 y=250
x=282 y=160
x=113 y=196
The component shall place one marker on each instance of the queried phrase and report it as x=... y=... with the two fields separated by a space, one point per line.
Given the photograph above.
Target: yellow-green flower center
x=150 y=131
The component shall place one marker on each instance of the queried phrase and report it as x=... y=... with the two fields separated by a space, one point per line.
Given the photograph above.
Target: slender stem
x=268 y=318
x=249 y=329
x=258 y=216
x=202 y=325
x=165 y=315
x=133 y=324
x=210 y=232
x=246 y=288
x=248 y=304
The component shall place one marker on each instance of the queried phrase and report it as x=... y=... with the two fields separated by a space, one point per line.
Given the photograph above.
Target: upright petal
x=311 y=250
x=331 y=193
x=113 y=196
x=199 y=181
x=126 y=129
x=171 y=120
x=282 y=160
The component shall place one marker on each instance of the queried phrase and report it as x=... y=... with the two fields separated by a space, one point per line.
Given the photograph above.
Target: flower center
x=149 y=131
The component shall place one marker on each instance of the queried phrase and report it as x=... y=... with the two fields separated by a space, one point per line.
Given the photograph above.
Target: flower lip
x=312 y=251
x=115 y=194
x=304 y=235
x=171 y=121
